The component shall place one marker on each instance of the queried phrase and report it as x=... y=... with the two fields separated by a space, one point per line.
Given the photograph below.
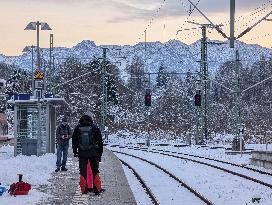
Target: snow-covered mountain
x=175 y=55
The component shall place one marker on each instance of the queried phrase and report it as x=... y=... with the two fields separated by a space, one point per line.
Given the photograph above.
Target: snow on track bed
x=258 y=176
x=243 y=172
x=249 y=167
x=222 y=188
x=139 y=188
x=166 y=189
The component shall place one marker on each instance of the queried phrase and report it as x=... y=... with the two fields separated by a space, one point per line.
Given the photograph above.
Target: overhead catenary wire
x=259 y=14
x=151 y=20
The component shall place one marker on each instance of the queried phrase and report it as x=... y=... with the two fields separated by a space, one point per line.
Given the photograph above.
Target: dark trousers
x=83 y=162
x=62 y=152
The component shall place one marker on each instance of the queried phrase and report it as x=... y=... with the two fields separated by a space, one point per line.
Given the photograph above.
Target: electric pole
x=50 y=61
x=239 y=126
x=204 y=71
x=105 y=94
x=204 y=78
x=232 y=23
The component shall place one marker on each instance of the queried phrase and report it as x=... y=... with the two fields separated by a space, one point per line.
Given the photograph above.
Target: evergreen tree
x=137 y=78
x=162 y=77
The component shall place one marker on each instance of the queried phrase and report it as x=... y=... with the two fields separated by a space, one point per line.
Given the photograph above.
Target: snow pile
x=221 y=139
x=35 y=170
x=137 y=136
x=127 y=137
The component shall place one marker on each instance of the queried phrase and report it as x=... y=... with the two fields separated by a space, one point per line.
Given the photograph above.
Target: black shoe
x=64 y=169
x=98 y=193
x=57 y=170
x=90 y=190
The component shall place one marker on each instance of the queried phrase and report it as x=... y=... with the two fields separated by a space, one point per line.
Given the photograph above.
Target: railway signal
x=198 y=100
x=148 y=98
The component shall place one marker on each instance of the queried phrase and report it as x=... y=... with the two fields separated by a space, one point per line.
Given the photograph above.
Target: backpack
x=88 y=146
x=19 y=188
x=2 y=190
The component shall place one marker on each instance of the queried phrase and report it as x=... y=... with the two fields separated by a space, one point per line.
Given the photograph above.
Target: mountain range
x=175 y=55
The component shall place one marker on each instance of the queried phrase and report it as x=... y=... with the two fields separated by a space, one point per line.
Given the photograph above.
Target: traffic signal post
x=148 y=99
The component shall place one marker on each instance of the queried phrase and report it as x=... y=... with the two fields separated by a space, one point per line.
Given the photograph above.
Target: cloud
x=141 y=9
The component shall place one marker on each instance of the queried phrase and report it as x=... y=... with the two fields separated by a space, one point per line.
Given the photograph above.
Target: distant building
x=3 y=124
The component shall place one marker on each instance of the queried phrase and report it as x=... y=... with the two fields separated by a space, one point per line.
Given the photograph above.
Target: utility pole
x=145 y=41
x=205 y=73
x=149 y=112
x=50 y=60
x=198 y=112
x=239 y=126
x=32 y=69
x=105 y=94
x=38 y=45
x=205 y=83
x=232 y=23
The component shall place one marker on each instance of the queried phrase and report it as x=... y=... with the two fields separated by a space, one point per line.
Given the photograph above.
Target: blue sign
x=24 y=96
x=49 y=95
x=14 y=96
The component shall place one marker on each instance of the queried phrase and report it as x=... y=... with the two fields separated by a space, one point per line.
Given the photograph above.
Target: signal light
x=147 y=100
x=148 y=97
x=198 y=100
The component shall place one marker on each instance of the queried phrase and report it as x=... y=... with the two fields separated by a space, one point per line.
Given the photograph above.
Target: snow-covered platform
x=262 y=159
x=64 y=186
x=114 y=181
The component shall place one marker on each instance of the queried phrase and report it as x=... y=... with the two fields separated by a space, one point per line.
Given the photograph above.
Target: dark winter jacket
x=86 y=121
x=63 y=130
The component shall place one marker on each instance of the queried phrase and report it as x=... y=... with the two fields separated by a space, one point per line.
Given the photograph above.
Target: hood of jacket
x=86 y=120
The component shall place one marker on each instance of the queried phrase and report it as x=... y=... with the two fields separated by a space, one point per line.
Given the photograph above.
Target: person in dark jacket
x=63 y=135
x=88 y=146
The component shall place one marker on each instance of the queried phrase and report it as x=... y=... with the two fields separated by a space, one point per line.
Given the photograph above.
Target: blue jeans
x=62 y=148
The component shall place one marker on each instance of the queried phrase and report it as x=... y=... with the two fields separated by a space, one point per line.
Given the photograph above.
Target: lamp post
x=38 y=26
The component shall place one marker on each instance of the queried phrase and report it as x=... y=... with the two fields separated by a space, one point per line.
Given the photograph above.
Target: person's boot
x=57 y=170
x=83 y=185
x=97 y=185
x=64 y=169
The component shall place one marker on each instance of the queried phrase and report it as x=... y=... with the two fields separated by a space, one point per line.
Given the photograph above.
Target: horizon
x=119 y=22
x=101 y=45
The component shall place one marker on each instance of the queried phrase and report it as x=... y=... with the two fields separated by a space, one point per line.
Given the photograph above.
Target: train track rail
x=142 y=182
x=216 y=160
x=203 y=163
x=196 y=193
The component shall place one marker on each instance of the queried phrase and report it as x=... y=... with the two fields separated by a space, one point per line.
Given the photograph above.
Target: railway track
x=142 y=182
x=193 y=191
x=216 y=160
x=207 y=164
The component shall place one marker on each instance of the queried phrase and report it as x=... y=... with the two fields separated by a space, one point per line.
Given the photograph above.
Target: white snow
x=36 y=171
x=165 y=189
x=137 y=189
x=220 y=187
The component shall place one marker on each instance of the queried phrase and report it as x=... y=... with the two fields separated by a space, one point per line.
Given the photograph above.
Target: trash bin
x=29 y=147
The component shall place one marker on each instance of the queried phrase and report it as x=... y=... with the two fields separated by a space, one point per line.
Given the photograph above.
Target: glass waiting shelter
x=35 y=125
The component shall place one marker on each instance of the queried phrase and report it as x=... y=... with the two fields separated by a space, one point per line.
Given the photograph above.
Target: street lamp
x=37 y=26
